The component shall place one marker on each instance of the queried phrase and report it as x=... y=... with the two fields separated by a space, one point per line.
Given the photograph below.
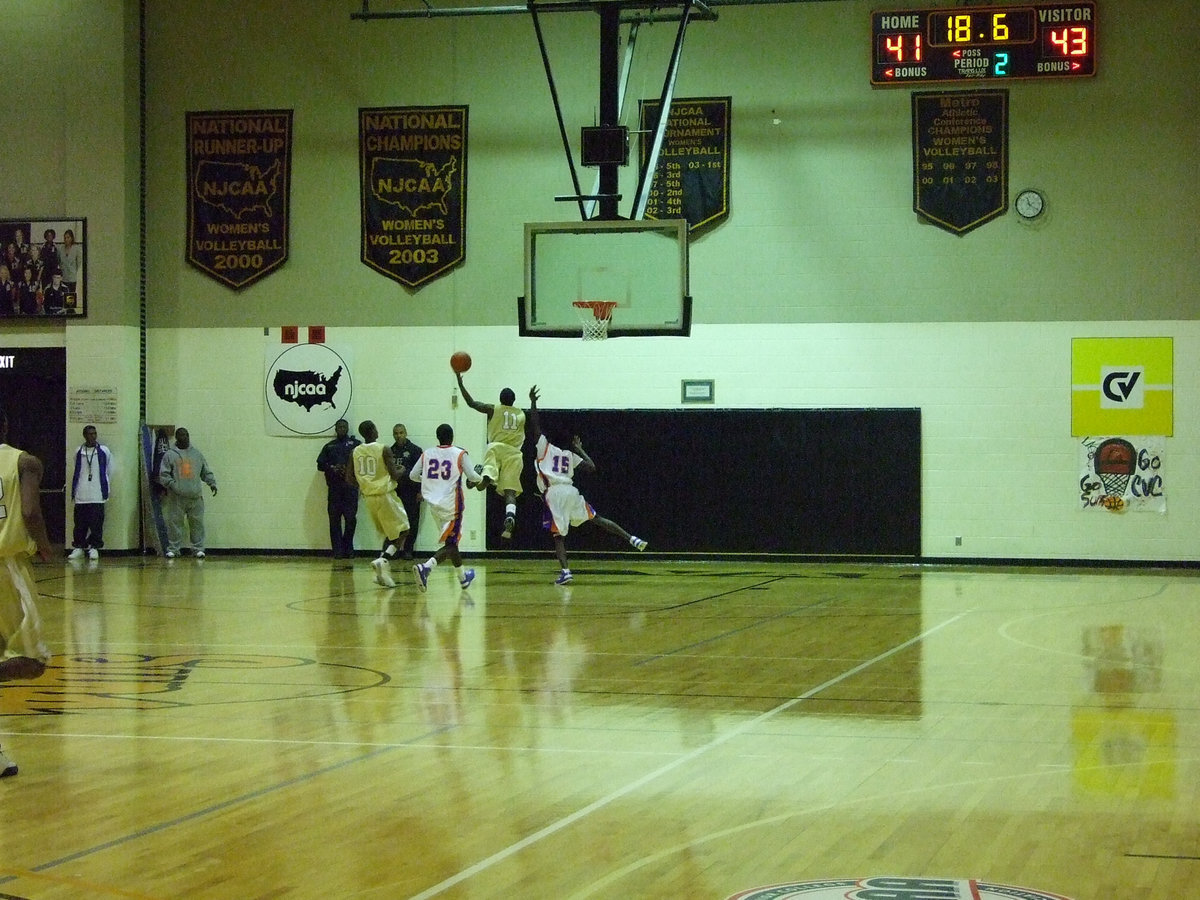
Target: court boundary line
x=207 y=810
x=600 y=803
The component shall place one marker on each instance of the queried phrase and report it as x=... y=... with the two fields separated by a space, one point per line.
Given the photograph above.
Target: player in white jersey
x=555 y=478
x=502 y=460
x=23 y=652
x=375 y=472
x=441 y=471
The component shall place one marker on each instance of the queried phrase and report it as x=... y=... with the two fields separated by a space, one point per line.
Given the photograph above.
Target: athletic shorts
x=448 y=522
x=20 y=624
x=567 y=507
x=503 y=464
x=388 y=514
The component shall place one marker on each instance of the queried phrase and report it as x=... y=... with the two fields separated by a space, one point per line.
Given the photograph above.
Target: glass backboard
x=642 y=266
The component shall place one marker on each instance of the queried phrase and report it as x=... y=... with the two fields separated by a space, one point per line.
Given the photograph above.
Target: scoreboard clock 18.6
x=971 y=43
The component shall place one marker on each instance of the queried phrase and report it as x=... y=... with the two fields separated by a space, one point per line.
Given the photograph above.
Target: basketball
x=460 y=361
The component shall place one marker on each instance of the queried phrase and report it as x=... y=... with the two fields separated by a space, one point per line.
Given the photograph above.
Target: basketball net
x=594 y=316
x=1114 y=483
x=1114 y=464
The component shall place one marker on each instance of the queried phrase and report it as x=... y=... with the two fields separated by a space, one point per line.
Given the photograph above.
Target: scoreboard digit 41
x=966 y=43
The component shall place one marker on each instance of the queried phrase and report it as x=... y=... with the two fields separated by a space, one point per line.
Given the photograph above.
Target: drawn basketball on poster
x=308 y=388
x=1114 y=462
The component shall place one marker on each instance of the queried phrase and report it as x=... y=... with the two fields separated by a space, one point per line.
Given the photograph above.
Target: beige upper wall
x=69 y=139
x=821 y=227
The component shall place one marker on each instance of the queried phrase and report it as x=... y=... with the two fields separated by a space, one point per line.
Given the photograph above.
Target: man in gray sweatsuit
x=182 y=471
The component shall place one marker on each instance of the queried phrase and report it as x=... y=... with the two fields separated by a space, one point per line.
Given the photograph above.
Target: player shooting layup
x=502 y=461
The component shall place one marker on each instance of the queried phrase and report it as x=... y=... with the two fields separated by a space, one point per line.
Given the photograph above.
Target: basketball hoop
x=595 y=322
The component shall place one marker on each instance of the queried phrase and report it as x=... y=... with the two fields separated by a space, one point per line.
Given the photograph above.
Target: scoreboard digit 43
x=965 y=43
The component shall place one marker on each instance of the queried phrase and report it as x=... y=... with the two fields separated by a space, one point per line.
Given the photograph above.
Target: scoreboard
x=977 y=43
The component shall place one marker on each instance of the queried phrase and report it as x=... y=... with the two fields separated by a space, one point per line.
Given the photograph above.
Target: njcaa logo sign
x=892 y=888
x=308 y=388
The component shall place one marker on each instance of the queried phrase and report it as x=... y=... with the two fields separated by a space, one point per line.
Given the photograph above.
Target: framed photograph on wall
x=43 y=268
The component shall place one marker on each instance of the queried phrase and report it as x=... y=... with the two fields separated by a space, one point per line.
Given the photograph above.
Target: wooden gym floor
x=251 y=727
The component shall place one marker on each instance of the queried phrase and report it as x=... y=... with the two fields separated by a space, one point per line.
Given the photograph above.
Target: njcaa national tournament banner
x=413 y=168
x=691 y=178
x=239 y=167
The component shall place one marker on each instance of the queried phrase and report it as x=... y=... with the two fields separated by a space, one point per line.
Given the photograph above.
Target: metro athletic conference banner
x=239 y=167
x=413 y=170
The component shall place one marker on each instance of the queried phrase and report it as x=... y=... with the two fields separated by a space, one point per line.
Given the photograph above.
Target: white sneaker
x=77 y=553
x=7 y=766
x=199 y=554
x=382 y=576
x=93 y=553
x=170 y=554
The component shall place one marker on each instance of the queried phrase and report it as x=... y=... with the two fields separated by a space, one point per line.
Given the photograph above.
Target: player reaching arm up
x=535 y=425
x=555 y=478
x=502 y=460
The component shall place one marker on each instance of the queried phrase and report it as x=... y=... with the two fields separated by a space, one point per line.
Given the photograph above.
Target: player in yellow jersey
x=23 y=653
x=374 y=471
x=502 y=460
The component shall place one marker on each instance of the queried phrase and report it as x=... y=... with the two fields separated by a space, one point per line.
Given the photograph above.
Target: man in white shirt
x=89 y=491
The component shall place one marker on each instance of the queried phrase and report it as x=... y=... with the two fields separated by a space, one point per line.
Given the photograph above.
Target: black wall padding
x=825 y=482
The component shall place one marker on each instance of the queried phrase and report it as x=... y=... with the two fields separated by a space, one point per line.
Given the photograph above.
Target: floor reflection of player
x=344 y=645
x=441 y=668
x=85 y=633
x=562 y=662
x=503 y=700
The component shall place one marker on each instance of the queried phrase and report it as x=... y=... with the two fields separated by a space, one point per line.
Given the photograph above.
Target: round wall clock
x=1029 y=204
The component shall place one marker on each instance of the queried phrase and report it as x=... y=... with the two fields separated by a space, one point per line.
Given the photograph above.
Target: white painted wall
x=1000 y=467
